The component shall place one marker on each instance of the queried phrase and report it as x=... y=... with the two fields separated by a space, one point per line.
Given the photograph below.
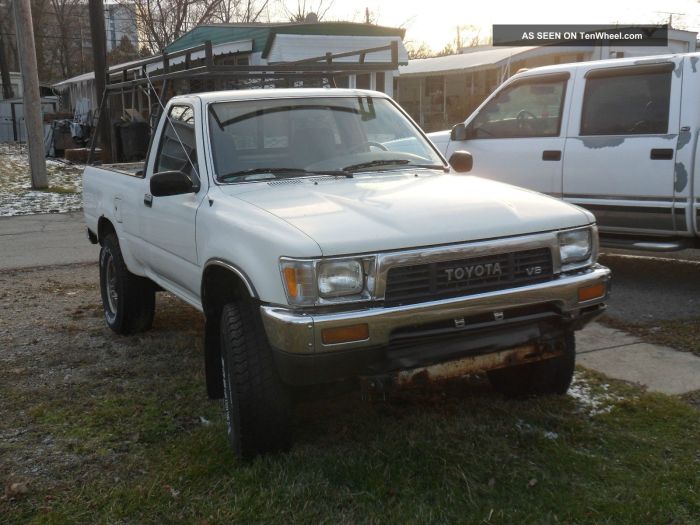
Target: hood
x=381 y=212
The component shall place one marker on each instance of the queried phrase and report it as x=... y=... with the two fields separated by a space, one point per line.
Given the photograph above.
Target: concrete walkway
x=44 y=240
x=622 y=356
x=53 y=239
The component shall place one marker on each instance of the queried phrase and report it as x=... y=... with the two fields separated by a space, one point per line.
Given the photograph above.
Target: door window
x=528 y=108
x=178 y=148
x=631 y=101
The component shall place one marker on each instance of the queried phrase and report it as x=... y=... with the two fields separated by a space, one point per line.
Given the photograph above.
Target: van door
x=621 y=145
x=517 y=136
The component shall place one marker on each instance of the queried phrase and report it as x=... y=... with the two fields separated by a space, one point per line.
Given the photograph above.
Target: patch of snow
x=16 y=194
x=590 y=401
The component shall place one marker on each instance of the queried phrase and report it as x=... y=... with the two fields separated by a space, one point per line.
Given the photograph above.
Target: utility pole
x=32 y=98
x=99 y=53
x=5 y=73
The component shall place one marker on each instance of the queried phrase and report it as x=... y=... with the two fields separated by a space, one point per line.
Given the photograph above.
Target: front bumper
x=297 y=340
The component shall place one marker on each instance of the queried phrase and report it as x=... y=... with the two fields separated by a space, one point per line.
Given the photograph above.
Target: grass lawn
x=110 y=429
x=457 y=454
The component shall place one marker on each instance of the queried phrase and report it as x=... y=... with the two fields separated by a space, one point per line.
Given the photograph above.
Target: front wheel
x=549 y=377
x=258 y=405
x=129 y=301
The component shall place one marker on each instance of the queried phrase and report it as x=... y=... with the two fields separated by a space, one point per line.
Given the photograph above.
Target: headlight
x=309 y=282
x=575 y=246
x=337 y=278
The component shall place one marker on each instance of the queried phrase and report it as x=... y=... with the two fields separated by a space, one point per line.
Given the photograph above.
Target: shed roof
x=480 y=57
x=263 y=34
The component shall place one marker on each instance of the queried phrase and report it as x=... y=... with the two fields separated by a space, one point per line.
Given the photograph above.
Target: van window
x=633 y=101
x=528 y=108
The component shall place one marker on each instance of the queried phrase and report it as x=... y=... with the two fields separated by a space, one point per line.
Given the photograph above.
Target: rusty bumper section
x=379 y=384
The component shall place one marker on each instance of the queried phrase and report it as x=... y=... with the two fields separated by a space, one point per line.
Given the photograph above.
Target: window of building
x=380 y=81
x=362 y=81
x=627 y=101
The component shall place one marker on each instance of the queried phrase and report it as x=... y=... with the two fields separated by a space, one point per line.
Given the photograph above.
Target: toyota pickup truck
x=325 y=239
x=617 y=137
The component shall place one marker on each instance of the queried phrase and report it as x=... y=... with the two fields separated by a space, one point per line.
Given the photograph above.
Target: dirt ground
x=55 y=346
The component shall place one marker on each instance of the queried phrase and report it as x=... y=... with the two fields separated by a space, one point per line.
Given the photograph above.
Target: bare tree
x=240 y=11
x=67 y=26
x=469 y=36
x=418 y=50
x=304 y=8
x=164 y=21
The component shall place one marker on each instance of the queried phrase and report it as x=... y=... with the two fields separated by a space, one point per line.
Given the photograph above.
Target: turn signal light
x=345 y=334
x=594 y=291
x=290 y=276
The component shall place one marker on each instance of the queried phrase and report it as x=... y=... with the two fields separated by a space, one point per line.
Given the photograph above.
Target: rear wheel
x=551 y=376
x=128 y=300
x=258 y=405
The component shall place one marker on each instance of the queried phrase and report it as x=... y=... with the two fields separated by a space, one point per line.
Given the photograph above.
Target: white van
x=618 y=137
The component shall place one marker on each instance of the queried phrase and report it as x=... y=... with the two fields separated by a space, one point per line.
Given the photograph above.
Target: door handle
x=551 y=154
x=148 y=200
x=661 y=154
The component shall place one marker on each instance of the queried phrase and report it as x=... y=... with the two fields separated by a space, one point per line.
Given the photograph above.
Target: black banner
x=579 y=35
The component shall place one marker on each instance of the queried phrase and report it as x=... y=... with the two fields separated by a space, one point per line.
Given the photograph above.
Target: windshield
x=260 y=139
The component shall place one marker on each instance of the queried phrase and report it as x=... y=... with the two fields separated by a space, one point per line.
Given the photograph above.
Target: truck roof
x=259 y=94
x=612 y=62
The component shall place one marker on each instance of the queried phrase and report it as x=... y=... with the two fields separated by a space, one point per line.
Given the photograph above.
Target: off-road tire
x=549 y=377
x=258 y=405
x=133 y=298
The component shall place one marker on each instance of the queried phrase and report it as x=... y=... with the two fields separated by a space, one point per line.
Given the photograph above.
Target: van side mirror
x=462 y=161
x=459 y=132
x=168 y=183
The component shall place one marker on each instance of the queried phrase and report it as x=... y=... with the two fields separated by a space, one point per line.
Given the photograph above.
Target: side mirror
x=462 y=161
x=168 y=183
x=459 y=132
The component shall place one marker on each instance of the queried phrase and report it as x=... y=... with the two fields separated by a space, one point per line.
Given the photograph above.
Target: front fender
x=251 y=241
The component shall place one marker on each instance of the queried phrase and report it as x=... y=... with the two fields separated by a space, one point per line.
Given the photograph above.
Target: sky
x=435 y=21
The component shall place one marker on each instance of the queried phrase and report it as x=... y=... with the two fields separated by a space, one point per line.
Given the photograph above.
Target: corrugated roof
x=490 y=56
x=261 y=33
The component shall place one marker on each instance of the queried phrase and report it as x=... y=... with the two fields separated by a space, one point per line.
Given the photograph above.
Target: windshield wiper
x=389 y=162
x=280 y=171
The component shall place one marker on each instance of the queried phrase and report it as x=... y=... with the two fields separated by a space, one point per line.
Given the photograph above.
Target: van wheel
x=129 y=301
x=551 y=376
x=258 y=405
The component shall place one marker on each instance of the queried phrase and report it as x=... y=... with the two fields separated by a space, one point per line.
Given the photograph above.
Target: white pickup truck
x=618 y=137
x=325 y=238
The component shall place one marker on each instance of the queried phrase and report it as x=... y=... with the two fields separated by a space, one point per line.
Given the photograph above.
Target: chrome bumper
x=301 y=333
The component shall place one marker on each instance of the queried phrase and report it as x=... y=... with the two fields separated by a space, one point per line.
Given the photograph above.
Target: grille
x=440 y=280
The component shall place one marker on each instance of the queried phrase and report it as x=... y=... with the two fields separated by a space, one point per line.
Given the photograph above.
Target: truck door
x=621 y=145
x=168 y=223
x=518 y=135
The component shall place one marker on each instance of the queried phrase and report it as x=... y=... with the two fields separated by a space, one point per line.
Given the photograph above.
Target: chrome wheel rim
x=111 y=285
